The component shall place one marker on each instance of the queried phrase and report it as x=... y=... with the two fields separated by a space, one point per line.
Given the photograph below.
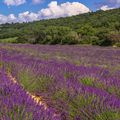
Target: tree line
x=94 y=28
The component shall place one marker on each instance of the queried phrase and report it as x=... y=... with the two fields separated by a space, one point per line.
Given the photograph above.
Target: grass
x=78 y=104
x=8 y=40
x=108 y=115
x=33 y=83
x=87 y=81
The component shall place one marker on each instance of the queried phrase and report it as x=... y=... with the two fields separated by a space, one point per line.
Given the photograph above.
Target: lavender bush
x=76 y=82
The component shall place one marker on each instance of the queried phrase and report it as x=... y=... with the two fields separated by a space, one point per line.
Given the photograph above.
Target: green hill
x=96 y=28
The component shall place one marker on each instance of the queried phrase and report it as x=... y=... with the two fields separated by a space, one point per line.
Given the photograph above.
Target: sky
x=12 y=11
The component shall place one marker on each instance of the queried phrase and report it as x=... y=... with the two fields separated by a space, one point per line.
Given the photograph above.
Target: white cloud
x=14 y=2
x=53 y=11
x=7 y=19
x=106 y=7
x=11 y=18
x=27 y=17
x=66 y=9
x=111 y=3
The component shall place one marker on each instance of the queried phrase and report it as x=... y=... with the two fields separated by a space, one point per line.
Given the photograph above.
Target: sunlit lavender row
x=16 y=104
x=76 y=82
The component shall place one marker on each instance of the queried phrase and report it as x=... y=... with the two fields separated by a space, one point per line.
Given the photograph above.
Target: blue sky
x=30 y=10
x=29 y=6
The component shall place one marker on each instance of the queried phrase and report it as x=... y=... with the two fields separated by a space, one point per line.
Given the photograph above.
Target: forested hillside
x=95 y=28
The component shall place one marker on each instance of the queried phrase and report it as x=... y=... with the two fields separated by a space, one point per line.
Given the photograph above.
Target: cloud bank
x=110 y=4
x=7 y=19
x=54 y=10
x=66 y=9
x=106 y=7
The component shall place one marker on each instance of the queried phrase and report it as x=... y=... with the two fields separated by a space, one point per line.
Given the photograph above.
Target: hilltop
x=95 y=28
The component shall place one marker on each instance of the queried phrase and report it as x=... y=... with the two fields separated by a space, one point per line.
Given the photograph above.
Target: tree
x=114 y=38
x=86 y=30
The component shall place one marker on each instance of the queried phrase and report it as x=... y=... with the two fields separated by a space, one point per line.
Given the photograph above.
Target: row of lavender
x=75 y=91
x=16 y=104
x=103 y=57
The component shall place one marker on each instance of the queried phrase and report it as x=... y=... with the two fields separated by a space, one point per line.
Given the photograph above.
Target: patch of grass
x=100 y=85
x=68 y=75
x=43 y=83
x=114 y=90
x=27 y=80
x=32 y=83
x=87 y=81
x=8 y=40
x=108 y=115
x=78 y=103
x=62 y=94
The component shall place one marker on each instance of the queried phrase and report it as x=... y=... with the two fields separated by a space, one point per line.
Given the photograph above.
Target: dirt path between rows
x=37 y=99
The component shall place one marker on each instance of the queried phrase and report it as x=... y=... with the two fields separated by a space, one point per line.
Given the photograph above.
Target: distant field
x=8 y=40
x=75 y=82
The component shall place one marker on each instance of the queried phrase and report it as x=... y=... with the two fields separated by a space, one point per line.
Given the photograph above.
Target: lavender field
x=42 y=82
